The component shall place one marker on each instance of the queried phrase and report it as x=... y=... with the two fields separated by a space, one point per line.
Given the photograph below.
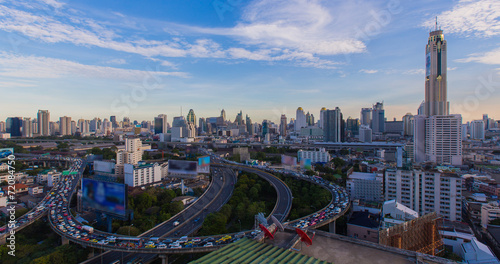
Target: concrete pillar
x=164 y=258
x=64 y=240
x=91 y=254
x=331 y=226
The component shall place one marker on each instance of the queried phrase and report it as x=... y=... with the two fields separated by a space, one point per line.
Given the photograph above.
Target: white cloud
x=452 y=68
x=415 y=72
x=368 y=71
x=53 y=3
x=29 y=67
x=116 y=61
x=479 y=18
x=490 y=57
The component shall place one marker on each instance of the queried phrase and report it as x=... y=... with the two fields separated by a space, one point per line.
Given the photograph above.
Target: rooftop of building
x=455 y=226
x=363 y=176
x=365 y=219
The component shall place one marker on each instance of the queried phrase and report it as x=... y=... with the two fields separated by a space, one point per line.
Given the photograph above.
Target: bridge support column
x=331 y=226
x=91 y=254
x=164 y=258
x=64 y=240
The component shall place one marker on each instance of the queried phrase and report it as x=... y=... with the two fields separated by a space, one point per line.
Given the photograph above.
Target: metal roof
x=250 y=251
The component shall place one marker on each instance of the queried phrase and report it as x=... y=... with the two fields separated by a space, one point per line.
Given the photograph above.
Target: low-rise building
x=394 y=213
x=35 y=190
x=18 y=188
x=316 y=156
x=53 y=178
x=476 y=252
x=139 y=175
x=489 y=211
x=364 y=226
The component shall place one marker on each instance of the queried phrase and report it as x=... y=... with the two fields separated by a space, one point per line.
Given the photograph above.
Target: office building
x=426 y=191
x=2 y=127
x=477 y=129
x=321 y=155
x=84 y=126
x=27 y=131
x=65 y=125
x=223 y=115
x=443 y=139
x=54 y=128
x=248 y=123
x=191 y=117
x=366 y=116
x=300 y=119
x=334 y=126
x=139 y=175
x=365 y=186
x=352 y=126
x=43 y=118
x=13 y=126
x=161 y=124
x=378 y=118
x=283 y=125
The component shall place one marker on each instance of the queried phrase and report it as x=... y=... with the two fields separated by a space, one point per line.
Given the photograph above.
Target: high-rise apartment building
x=43 y=118
x=352 y=126
x=300 y=119
x=131 y=155
x=443 y=140
x=408 y=124
x=283 y=125
x=27 y=131
x=477 y=129
x=321 y=116
x=426 y=191
x=65 y=125
x=334 y=126
x=2 y=127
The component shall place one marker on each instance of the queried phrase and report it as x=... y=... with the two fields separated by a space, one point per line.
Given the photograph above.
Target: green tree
x=495 y=221
x=124 y=230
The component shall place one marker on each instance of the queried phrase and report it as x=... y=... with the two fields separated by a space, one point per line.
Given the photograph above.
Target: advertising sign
x=5 y=153
x=204 y=164
x=305 y=164
x=288 y=160
x=182 y=167
x=104 y=196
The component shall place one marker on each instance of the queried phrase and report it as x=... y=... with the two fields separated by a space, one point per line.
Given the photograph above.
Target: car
x=150 y=246
x=162 y=246
x=209 y=244
x=176 y=246
x=196 y=240
x=93 y=240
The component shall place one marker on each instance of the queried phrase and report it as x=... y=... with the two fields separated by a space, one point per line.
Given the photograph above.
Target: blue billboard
x=5 y=153
x=106 y=197
x=204 y=164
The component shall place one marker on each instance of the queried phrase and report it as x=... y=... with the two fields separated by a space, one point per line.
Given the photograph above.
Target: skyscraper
x=435 y=75
x=239 y=118
x=43 y=117
x=366 y=117
x=223 y=115
x=333 y=130
x=321 y=112
x=300 y=119
x=437 y=135
x=191 y=117
x=2 y=126
x=65 y=125
x=408 y=124
x=352 y=126
x=283 y=125
x=160 y=124
x=27 y=131
x=477 y=129
x=248 y=123
x=13 y=126
x=378 y=118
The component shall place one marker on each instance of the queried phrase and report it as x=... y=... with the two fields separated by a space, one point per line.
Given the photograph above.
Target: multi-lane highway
x=190 y=219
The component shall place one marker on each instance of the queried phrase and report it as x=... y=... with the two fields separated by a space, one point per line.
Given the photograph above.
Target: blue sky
x=90 y=59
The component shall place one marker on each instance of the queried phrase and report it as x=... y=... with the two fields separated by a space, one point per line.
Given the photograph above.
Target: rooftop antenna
x=181 y=110
x=436 y=23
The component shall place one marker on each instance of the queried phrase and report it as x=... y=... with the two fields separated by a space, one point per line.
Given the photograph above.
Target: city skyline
x=75 y=59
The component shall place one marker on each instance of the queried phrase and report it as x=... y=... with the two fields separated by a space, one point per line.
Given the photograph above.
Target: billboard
x=182 y=167
x=5 y=153
x=106 y=197
x=288 y=160
x=204 y=164
x=305 y=164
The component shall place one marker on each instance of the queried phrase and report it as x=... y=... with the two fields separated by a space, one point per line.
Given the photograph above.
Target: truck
x=87 y=228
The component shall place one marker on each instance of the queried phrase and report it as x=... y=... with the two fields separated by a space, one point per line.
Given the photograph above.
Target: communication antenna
x=436 y=23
